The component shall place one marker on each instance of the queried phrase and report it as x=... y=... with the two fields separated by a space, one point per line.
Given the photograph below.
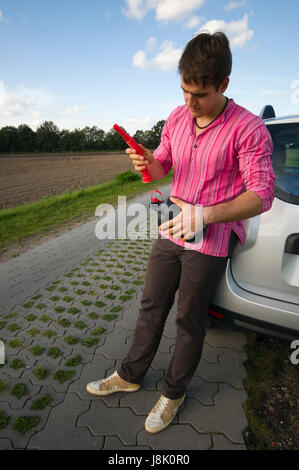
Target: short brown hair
x=207 y=57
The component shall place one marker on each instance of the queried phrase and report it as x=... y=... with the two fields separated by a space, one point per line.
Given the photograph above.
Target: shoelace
x=102 y=381
x=162 y=405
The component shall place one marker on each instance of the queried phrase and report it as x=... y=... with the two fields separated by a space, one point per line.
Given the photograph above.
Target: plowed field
x=28 y=178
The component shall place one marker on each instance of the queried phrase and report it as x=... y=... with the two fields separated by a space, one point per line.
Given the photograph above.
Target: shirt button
x=195 y=146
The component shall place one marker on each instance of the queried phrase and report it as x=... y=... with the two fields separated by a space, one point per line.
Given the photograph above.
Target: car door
x=268 y=262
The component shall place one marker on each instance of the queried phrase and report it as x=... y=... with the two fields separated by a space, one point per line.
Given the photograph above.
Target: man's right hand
x=140 y=162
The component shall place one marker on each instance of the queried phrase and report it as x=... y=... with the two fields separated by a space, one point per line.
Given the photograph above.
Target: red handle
x=146 y=176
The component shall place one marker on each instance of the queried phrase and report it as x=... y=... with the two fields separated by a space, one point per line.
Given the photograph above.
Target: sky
x=98 y=62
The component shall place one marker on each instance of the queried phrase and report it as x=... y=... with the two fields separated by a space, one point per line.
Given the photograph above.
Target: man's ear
x=224 y=84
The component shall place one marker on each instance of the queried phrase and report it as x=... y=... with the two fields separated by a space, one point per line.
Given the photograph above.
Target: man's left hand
x=187 y=223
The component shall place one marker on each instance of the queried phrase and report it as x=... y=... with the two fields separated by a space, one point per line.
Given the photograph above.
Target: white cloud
x=295 y=84
x=193 y=22
x=132 y=124
x=72 y=110
x=168 y=58
x=233 y=5
x=139 y=60
x=23 y=105
x=151 y=44
x=175 y=10
x=238 y=32
x=2 y=18
x=165 y=60
x=137 y=9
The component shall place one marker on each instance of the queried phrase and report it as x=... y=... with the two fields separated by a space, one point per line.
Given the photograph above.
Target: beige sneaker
x=162 y=414
x=111 y=384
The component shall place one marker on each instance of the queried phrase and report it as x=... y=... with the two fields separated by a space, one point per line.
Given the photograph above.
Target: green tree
x=151 y=138
x=77 y=140
x=156 y=133
x=90 y=137
x=48 y=137
x=139 y=137
x=65 y=140
x=100 y=140
x=26 y=138
x=8 y=139
x=113 y=141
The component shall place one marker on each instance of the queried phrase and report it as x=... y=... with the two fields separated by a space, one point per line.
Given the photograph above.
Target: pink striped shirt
x=229 y=157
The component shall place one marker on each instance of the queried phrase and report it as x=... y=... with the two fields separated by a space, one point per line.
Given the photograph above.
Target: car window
x=285 y=159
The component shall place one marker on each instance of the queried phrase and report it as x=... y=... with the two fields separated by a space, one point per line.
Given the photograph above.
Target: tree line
x=48 y=138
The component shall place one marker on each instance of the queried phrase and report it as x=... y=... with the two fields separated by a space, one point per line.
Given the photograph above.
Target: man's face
x=203 y=101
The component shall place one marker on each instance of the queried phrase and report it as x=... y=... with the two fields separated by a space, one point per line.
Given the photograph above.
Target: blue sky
x=96 y=62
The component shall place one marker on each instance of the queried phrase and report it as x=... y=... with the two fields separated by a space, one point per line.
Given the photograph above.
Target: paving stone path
x=68 y=310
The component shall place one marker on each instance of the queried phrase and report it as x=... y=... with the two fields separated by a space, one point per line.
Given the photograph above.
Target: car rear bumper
x=233 y=305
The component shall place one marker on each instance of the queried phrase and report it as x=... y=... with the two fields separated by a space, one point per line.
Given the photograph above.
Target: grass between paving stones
x=4 y=419
x=19 y=390
x=3 y=386
x=74 y=361
x=54 y=352
x=25 y=423
x=37 y=350
x=82 y=328
x=41 y=372
x=18 y=223
x=15 y=343
x=16 y=364
x=41 y=403
x=63 y=375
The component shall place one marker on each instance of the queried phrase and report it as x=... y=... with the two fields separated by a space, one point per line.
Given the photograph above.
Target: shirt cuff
x=165 y=164
x=265 y=196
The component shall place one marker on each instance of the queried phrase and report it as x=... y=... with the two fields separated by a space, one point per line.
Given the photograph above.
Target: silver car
x=260 y=288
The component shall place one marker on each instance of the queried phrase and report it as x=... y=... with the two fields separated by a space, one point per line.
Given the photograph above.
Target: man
x=223 y=174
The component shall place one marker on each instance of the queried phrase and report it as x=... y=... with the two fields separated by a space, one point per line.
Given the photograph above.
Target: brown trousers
x=171 y=268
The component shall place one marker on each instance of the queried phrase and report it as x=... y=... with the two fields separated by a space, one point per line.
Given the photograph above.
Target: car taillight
x=215 y=314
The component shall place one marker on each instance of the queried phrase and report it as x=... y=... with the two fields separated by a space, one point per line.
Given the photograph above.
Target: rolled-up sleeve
x=163 y=153
x=255 y=165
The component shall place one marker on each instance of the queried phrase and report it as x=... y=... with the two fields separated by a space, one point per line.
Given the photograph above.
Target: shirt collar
x=221 y=119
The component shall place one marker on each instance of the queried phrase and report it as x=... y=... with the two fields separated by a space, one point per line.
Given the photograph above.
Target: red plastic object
x=155 y=199
x=146 y=176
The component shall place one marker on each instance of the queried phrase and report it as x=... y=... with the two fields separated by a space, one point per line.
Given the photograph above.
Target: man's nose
x=190 y=100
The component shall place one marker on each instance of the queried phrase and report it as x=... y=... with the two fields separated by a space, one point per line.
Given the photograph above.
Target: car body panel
x=261 y=265
x=260 y=287
x=250 y=310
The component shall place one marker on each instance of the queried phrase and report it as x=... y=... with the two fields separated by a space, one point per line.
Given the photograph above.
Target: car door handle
x=292 y=244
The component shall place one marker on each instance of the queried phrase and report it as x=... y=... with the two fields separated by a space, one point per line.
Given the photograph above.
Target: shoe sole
x=156 y=430
x=104 y=393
